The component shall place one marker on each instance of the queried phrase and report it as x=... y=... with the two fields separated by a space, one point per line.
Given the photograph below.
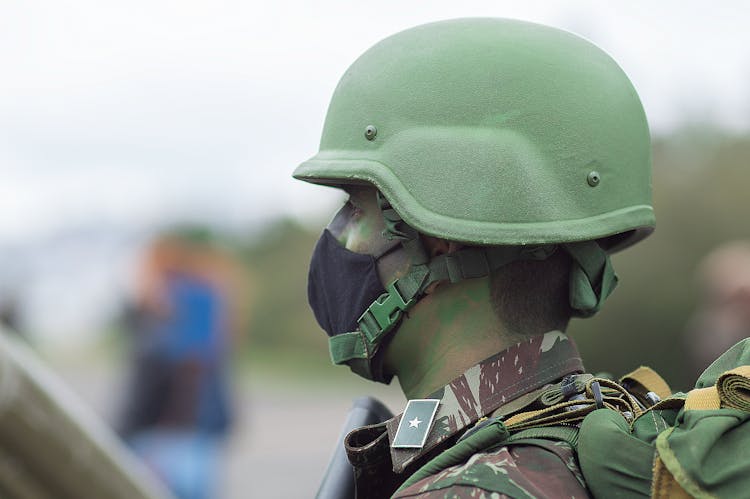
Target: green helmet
x=493 y=132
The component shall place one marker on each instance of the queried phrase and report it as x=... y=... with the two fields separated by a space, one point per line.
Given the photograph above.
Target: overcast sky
x=147 y=111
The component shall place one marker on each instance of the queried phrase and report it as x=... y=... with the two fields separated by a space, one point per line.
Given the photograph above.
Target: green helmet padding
x=493 y=132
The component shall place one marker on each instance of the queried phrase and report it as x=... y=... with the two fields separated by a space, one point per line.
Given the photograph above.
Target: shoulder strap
x=644 y=380
x=568 y=434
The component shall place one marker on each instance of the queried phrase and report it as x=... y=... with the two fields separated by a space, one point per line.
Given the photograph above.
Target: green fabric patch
x=614 y=462
x=710 y=449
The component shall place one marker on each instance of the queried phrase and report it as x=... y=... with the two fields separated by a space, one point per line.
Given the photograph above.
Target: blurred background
x=123 y=122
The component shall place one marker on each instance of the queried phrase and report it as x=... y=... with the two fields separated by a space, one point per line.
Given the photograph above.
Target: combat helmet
x=497 y=133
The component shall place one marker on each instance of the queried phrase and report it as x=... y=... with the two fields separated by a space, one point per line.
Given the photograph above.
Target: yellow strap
x=558 y=413
x=669 y=478
x=519 y=403
x=664 y=485
x=650 y=380
x=575 y=410
x=525 y=416
x=703 y=399
x=743 y=371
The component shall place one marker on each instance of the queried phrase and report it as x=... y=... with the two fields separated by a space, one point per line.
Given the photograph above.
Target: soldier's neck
x=446 y=333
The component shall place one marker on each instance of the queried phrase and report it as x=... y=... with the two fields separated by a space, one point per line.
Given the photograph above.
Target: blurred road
x=283 y=438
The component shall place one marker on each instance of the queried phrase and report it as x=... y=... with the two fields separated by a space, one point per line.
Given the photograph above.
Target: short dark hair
x=530 y=297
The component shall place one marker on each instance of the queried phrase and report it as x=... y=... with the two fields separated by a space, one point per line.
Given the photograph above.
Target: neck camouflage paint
x=447 y=332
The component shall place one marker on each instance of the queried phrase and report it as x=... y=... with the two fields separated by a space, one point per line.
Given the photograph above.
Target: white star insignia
x=414 y=423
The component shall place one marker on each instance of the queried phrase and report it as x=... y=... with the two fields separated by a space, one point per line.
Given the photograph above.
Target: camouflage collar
x=489 y=385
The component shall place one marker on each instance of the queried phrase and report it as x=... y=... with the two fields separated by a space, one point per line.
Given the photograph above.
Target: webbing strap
x=592 y=277
x=567 y=434
x=344 y=347
x=571 y=385
x=733 y=388
x=474 y=262
x=396 y=228
x=649 y=380
x=569 y=412
x=573 y=411
x=703 y=399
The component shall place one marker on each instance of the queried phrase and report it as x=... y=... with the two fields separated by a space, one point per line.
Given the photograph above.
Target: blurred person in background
x=177 y=409
x=722 y=317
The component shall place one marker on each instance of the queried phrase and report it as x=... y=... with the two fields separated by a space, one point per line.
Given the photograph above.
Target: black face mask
x=342 y=284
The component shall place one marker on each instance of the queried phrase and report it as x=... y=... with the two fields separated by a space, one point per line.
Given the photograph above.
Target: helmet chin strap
x=592 y=279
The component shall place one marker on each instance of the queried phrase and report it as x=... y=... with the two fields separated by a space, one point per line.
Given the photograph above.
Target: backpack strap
x=644 y=380
x=568 y=434
x=732 y=390
x=703 y=399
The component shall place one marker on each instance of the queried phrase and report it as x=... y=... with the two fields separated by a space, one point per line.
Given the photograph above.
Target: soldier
x=492 y=167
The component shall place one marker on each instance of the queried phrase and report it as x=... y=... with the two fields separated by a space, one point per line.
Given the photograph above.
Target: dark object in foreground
x=338 y=481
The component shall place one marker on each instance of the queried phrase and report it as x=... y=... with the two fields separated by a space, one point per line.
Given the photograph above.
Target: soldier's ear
x=436 y=246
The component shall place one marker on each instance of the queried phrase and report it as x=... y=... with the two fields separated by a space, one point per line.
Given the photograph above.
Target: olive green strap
x=592 y=277
x=733 y=388
x=347 y=346
x=474 y=262
x=568 y=434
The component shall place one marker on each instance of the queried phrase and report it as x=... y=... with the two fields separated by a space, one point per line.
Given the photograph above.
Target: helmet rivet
x=371 y=132
x=593 y=179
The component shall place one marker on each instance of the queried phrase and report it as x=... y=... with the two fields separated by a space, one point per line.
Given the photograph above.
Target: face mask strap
x=396 y=228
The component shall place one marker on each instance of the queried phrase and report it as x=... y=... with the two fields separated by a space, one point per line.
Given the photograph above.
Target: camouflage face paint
x=359 y=223
x=449 y=329
x=359 y=227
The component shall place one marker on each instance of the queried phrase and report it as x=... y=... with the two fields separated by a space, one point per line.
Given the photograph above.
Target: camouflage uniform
x=536 y=468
